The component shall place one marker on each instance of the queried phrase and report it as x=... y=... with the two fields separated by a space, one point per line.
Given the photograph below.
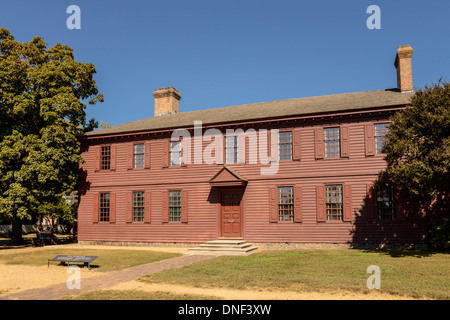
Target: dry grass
x=404 y=273
x=108 y=259
x=26 y=268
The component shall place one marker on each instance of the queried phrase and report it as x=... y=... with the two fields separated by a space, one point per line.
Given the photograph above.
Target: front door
x=231 y=214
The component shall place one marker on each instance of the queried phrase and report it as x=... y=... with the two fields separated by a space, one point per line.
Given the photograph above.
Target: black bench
x=47 y=238
x=71 y=259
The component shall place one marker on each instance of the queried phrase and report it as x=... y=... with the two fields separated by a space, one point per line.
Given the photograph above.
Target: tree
x=90 y=126
x=418 y=151
x=105 y=124
x=42 y=110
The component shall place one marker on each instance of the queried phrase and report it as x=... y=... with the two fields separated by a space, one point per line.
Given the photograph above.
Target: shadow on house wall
x=407 y=227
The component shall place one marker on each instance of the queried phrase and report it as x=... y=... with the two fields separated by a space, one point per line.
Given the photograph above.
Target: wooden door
x=231 y=214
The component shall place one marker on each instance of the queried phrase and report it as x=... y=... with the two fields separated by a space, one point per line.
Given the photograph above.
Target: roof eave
x=345 y=112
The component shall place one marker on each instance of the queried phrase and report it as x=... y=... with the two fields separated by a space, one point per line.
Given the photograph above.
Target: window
x=332 y=141
x=231 y=149
x=333 y=202
x=105 y=158
x=285 y=204
x=385 y=202
x=139 y=155
x=285 y=145
x=175 y=153
x=138 y=206
x=105 y=205
x=175 y=205
x=381 y=129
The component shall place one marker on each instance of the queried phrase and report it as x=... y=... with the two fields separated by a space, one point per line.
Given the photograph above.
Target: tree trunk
x=16 y=235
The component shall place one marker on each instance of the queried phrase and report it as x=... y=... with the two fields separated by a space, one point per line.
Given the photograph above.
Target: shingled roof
x=266 y=110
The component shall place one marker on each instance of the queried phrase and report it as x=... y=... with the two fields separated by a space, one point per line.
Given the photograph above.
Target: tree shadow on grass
x=399 y=253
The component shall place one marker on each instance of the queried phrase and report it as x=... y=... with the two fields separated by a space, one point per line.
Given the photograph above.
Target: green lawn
x=108 y=259
x=407 y=273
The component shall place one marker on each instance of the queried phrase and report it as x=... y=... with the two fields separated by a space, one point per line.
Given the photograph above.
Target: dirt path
x=232 y=294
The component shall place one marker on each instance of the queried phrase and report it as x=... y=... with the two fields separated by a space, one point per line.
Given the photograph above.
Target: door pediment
x=227 y=177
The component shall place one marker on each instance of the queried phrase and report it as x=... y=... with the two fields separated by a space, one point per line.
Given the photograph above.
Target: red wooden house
x=140 y=184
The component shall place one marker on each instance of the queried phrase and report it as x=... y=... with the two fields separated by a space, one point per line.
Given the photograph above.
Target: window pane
x=334 y=202
x=285 y=203
x=175 y=205
x=139 y=155
x=106 y=158
x=385 y=202
x=332 y=141
x=231 y=149
x=381 y=130
x=175 y=153
x=285 y=145
x=104 y=206
x=138 y=206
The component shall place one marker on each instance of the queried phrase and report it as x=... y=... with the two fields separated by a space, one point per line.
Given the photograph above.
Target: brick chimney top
x=404 y=68
x=167 y=101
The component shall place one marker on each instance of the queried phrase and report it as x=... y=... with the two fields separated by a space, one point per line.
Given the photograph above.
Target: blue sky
x=222 y=53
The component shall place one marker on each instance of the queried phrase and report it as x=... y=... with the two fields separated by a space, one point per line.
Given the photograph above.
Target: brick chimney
x=167 y=101
x=404 y=69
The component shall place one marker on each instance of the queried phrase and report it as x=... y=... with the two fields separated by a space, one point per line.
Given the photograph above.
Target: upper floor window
x=231 y=149
x=334 y=208
x=105 y=161
x=285 y=203
x=381 y=129
x=385 y=202
x=175 y=153
x=285 y=145
x=105 y=206
x=139 y=155
x=332 y=142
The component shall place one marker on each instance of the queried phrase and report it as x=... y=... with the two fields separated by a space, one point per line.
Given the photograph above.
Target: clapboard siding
x=357 y=170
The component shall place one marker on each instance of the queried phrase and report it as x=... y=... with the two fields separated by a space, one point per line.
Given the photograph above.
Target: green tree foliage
x=90 y=126
x=42 y=110
x=418 y=152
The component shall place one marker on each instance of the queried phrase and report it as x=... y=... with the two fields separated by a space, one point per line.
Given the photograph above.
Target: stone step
x=237 y=249
x=224 y=247
x=227 y=241
x=222 y=252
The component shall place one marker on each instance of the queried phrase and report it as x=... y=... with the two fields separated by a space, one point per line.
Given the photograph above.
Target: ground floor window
x=175 y=205
x=105 y=205
x=385 y=202
x=138 y=206
x=334 y=202
x=285 y=203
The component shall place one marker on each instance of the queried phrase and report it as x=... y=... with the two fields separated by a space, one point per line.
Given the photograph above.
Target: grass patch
x=135 y=295
x=407 y=273
x=108 y=259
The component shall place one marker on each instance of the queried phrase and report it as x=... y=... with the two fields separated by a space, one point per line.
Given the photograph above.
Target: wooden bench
x=47 y=238
x=71 y=259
